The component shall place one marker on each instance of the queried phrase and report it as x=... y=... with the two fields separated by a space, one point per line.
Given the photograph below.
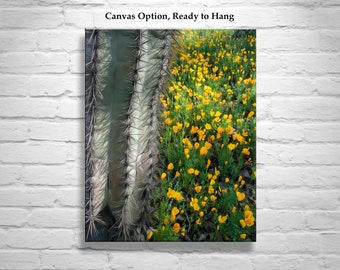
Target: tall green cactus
x=125 y=72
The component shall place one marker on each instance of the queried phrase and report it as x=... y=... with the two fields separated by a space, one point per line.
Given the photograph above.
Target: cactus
x=125 y=73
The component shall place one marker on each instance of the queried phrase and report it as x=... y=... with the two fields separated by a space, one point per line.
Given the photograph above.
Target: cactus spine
x=125 y=75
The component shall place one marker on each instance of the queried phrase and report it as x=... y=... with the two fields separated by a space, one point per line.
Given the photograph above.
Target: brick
x=18 y=41
x=330 y=242
x=13 y=217
x=271 y=131
x=10 y=174
x=14 y=85
x=71 y=108
x=262 y=108
x=32 y=18
x=302 y=243
x=298 y=199
x=268 y=63
x=325 y=17
x=332 y=262
x=3 y=235
x=25 y=107
x=27 y=197
x=33 y=153
x=297 y=176
x=19 y=259
x=59 y=175
x=322 y=220
x=77 y=62
x=285 y=85
x=281 y=40
x=294 y=17
x=327 y=86
x=311 y=63
x=267 y=220
x=56 y=131
x=74 y=197
x=79 y=18
x=329 y=41
x=13 y=131
x=40 y=239
x=302 y=153
x=312 y=108
x=37 y=62
x=75 y=259
x=325 y=132
x=287 y=262
x=45 y=85
x=56 y=217
x=212 y=261
x=60 y=40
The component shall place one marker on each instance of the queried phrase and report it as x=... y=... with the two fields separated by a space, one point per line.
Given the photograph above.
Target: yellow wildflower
x=174 y=194
x=245 y=151
x=191 y=171
x=208 y=126
x=222 y=219
x=240 y=196
x=170 y=166
x=176 y=227
x=198 y=189
x=250 y=115
x=213 y=198
x=243 y=236
x=232 y=146
x=149 y=235
x=163 y=175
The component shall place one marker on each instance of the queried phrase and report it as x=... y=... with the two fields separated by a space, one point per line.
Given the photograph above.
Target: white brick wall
x=42 y=135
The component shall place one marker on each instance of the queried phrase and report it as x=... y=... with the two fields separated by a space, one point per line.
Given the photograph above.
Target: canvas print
x=170 y=135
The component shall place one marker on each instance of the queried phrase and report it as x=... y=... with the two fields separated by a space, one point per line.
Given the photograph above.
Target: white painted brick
x=322 y=132
x=3 y=235
x=294 y=17
x=56 y=218
x=32 y=153
x=268 y=63
x=60 y=40
x=79 y=18
x=267 y=220
x=321 y=220
x=270 y=130
x=325 y=18
x=60 y=175
x=74 y=197
x=71 y=108
x=28 y=107
x=283 y=86
x=313 y=108
x=281 y=40
x=27 y=197
x=20 y=3
x=75 y=259
x=53 y=131
x=287 y=262
x=14 y=217
x=297 y=176
x=213 y=261
x=77 y=62
x=56 y=85
x=40 y=239
x=18 y=41
x=328 y=86
x=13 y=131
x=298 y=199
x=19 y=259
x=262 y=108
x=329 y=41
x=283 y=243
x=10 y=174
x=311 y=63
x=120 y=260
x=37 y=62
x=330 y=242
x=302 y=153
x=13 y=85
x=332 y=262
x=31 y=18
